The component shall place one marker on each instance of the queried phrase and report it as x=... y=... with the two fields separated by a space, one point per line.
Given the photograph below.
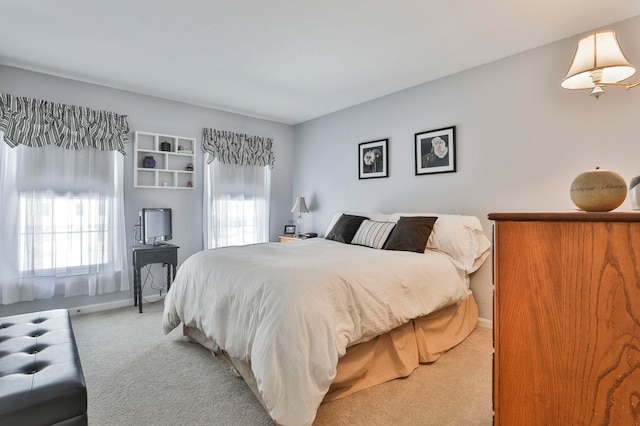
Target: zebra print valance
x=238 y=148
x=34 y=122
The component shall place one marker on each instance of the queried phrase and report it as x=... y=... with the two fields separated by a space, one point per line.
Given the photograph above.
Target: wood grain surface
x=567 y=322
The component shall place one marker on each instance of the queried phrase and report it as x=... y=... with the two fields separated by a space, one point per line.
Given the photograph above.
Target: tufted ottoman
x=41 y=380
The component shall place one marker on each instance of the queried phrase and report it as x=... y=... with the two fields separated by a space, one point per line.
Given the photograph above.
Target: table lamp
x=299 y=207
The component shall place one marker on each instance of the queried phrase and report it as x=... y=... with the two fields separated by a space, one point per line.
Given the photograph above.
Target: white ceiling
x=284 y=60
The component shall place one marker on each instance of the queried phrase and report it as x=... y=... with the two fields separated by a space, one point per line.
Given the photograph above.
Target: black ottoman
x=41 y=380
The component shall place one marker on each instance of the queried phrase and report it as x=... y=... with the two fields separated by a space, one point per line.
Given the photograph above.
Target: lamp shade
x=597 y=52
x=300 y=206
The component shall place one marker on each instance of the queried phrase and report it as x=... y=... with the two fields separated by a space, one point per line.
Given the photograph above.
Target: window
x=237 y=204
x=63 y=223
x=60 y=232
x=242 y=223
x=62 y=215
x=237 y=187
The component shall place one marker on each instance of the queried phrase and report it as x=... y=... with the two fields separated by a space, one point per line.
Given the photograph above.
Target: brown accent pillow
x=345 y=228
x=410 y=234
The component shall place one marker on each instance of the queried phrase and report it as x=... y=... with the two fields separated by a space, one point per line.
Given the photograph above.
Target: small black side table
x=166 y=254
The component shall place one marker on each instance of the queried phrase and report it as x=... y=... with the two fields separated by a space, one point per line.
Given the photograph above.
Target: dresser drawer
x=566 y=315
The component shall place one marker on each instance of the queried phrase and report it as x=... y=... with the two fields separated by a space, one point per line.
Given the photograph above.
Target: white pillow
x=460 y=237
x=372 y=233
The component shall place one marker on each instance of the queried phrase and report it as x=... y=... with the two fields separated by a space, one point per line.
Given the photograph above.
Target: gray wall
x=146 y=113
x=521 y=140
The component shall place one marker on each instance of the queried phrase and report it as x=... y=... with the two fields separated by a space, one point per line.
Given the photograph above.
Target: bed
x=319 y=319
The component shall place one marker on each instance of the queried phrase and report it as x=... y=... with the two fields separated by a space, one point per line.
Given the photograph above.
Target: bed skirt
x=386 y=357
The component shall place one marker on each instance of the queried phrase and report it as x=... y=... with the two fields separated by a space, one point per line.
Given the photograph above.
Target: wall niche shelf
x=173 y=161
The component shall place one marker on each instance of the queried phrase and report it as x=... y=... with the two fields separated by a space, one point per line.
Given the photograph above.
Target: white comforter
x=292 y=309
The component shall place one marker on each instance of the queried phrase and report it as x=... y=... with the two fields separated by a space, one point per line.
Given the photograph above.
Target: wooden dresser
x=566 y=318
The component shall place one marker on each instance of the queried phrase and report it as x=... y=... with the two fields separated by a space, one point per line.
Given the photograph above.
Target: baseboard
x=485 y=323
x=98 y=307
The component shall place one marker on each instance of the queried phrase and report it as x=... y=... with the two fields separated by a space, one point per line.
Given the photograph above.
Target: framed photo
x=289 y=230
x=373 y=159
x=436 y=151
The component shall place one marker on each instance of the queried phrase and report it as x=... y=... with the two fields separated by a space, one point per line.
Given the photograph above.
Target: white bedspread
x=292 y=309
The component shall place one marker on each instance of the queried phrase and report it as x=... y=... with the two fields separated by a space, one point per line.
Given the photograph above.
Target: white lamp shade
x=598 y=51
x=300 y=206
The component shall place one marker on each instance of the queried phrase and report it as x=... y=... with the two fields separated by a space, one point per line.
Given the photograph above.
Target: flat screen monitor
x=155 y=226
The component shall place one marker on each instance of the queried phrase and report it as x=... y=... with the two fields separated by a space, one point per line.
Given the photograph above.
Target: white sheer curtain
x=236 y=207
x=63 y=222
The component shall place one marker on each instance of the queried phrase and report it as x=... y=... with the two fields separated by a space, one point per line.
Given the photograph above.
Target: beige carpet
x=138 y=376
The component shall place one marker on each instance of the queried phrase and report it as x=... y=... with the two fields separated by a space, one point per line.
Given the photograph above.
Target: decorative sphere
x=598 y=190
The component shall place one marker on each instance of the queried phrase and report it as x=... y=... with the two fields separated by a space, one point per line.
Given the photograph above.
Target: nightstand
x=166 y=254
x=291 y=238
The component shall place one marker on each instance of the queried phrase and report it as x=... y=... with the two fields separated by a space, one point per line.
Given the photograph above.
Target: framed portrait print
x=289 y=230
x=436 y=151
x=373 y=159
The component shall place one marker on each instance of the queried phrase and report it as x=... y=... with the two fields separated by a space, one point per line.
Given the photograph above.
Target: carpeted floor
x=136 y=375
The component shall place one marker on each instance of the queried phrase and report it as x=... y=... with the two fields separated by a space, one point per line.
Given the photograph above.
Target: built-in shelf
x=173 y=164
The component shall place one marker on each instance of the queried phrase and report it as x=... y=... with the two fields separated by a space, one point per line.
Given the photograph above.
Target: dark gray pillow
x=411 y=234
x=345 y=228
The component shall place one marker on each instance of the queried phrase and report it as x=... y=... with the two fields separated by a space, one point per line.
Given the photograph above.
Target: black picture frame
x=435 y=151
x=289 y=230
x=373 y=159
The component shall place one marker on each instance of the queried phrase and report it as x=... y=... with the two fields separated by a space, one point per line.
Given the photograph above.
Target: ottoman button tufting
x=41 y=382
